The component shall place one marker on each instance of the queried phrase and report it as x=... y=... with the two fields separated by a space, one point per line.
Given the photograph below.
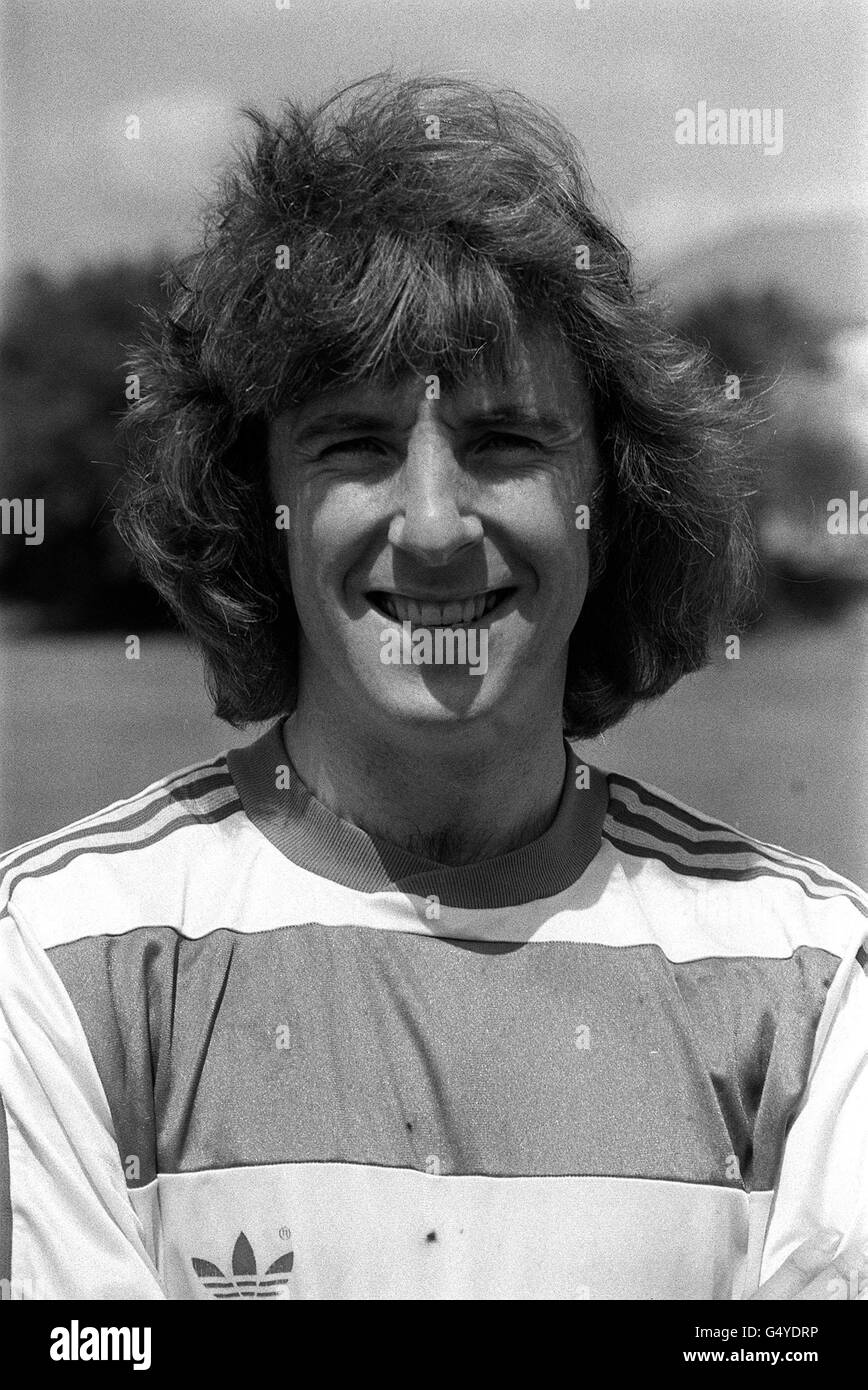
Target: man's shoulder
x=680 y=851
x=126 y=845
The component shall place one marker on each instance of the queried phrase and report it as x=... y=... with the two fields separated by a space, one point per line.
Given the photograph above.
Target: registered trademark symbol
x=284 y=1233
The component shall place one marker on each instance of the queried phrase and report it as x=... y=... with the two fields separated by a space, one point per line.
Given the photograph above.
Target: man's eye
x=498 y=440
x=355 y=446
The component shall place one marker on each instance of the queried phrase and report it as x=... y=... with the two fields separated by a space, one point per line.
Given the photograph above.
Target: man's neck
x=455 y=796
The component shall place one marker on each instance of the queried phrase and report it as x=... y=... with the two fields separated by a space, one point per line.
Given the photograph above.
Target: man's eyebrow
x=520 y=417
x=511 y=416
x=341 y=421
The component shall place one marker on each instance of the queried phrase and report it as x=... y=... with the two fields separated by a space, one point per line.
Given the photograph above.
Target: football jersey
x=248 y=1050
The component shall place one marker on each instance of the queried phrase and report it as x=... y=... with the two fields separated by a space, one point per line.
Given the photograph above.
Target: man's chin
x=428 y=676
x=434 y=695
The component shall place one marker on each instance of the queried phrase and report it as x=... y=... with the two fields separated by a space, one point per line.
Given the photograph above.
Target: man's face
x=408 y=512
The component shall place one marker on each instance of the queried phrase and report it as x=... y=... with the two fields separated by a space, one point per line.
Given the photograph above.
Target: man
x=405 y=999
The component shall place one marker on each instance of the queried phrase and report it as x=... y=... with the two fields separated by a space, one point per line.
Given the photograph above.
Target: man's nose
x=431 y=521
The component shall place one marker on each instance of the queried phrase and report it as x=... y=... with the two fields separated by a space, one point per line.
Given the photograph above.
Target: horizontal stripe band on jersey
x=347 y=1045
x=335 y=1231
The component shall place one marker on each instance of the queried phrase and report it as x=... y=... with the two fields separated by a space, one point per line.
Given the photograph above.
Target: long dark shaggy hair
x=406 y=246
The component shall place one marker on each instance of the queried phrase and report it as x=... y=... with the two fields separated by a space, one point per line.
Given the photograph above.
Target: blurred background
x=762 y=258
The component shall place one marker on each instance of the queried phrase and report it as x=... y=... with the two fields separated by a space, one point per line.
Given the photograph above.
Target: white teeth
x=467 y=610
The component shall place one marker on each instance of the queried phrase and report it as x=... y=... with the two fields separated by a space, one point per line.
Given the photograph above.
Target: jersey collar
x=308 y=833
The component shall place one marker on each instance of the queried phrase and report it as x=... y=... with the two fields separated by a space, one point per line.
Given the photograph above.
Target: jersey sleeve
x=822 y=1183
x=67 y=1226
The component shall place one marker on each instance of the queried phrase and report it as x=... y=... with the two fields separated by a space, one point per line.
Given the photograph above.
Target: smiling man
x=406 y=998
x=451 y=513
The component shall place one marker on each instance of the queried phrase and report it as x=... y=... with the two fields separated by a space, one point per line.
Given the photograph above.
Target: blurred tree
x=758 y=335
x=63 y=346
x=806 y=442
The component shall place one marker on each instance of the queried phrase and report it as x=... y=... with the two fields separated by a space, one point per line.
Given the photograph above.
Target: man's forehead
x=547 y=382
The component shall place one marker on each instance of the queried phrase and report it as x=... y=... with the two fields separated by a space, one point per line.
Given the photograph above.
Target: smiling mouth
x=424 y=613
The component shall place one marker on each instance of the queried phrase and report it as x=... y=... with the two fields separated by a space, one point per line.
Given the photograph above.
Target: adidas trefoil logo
x=244 y=1282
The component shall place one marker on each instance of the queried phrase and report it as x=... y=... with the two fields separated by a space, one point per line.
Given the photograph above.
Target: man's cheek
x=303 y=570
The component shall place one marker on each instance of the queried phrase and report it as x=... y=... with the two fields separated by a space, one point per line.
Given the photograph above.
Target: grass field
x=774 y=742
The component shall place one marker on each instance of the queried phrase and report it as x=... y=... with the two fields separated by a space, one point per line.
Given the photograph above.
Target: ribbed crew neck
x=314 y=838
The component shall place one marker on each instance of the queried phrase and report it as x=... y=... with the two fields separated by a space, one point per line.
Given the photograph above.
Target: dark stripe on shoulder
x=183 y=790
x=735 y=845
x=662 y=803
x=622 y=815
x=220 y=813
x=762 y=870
